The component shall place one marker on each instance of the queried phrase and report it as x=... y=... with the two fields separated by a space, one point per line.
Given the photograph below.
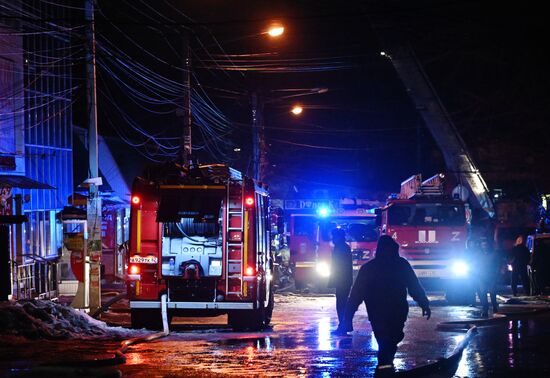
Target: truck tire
x=149 y=318
x=299 y=284
x=456 y=297
x=268 y=313
x=252 y=320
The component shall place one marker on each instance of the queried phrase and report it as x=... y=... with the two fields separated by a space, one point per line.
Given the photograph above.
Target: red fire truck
x=431 y=229
x=310 y=226
x=200 y=235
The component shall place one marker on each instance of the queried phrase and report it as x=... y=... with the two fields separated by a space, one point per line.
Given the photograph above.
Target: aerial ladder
x=436 y=118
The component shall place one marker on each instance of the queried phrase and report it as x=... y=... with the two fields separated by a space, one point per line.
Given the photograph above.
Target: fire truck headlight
x=460 y=268
x=323 y=269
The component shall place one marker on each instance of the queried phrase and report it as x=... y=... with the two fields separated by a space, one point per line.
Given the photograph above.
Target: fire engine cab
x=310 y=226
x=431 y=229
x=200 y=235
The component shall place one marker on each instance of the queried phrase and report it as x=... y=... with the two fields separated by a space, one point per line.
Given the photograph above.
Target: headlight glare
x=323 y=269
x=460 y=268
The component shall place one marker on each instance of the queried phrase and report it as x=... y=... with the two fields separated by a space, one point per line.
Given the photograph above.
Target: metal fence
x=36 y=279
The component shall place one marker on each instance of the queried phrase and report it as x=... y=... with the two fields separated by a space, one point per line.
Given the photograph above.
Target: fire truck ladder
x=430 y=107
x=235 y=237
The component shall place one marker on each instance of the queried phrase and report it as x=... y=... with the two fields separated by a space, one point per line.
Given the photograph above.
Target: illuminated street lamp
x=297 y=110
x=276 y=30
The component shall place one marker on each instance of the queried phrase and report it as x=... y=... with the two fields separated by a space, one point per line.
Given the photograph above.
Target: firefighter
x=382 y=284
x=485 y=274
x=520 y=256
x=341 y=273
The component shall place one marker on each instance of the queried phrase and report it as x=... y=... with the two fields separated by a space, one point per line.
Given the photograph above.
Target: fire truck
x=200 y=235
x=432 y=231
x=310 y=225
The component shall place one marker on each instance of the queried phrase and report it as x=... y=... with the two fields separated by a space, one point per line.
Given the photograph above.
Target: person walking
x=383 y=284
x=486 y=274
x=341 y=273
x=520 y=256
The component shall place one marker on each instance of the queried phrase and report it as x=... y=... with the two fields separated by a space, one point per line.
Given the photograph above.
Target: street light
x=297 y=110
x=276 y=30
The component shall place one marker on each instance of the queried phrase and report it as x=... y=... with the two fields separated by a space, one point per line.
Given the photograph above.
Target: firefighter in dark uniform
x=383 y=284
x=485 y=272
x=520 y=256
x=341 y=273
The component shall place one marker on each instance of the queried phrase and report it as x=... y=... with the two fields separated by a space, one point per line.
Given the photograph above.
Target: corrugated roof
x=22 y=182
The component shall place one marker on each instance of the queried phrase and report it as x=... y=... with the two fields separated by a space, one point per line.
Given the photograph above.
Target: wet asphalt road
x=299 y=344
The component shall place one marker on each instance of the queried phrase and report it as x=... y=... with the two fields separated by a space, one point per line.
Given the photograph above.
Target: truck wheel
x=268 y=312
x=149 y=318
x=299 y=284
x=459 y=297
x=252 y=320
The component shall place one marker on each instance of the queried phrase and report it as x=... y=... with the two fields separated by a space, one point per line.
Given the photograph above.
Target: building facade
x=36 y=96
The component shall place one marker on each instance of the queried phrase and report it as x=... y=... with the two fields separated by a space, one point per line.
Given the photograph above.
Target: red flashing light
x=249 y=201
x=249 y=271
x=136 y=200
x=134 y=269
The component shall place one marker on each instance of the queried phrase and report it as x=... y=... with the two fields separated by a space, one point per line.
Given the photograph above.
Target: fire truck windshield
x=304 y=226
x=358 y=229
x=202 y=206
x=423 y=214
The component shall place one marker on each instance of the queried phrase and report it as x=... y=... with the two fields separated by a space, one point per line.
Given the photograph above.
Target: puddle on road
x=270 y=343
x=290 y=353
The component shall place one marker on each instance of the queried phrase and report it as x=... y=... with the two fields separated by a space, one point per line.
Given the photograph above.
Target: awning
x=13 y=219
x=22 y=182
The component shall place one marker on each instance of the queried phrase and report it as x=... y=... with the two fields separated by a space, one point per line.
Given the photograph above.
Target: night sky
x=362 y=136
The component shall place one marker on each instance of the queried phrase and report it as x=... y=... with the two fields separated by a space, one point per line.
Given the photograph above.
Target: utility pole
x=186 y=148
x=89 y=292
x=91 y=97
x=259 y=157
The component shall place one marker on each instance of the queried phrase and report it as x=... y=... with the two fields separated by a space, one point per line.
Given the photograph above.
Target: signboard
x=108 y=233
x=9 y=92
x=306 y=204
x=5 y=201
x=74 y=242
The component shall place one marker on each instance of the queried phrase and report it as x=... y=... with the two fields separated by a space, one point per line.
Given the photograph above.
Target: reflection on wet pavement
x=517 y=348
x=300 y=344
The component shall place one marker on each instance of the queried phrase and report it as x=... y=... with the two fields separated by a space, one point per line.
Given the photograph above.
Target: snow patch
x=37 y=318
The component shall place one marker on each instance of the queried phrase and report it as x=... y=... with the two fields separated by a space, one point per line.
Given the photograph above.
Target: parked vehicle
x=310 y=238
x=201 y=235
x=539 y=266
x=431 y=228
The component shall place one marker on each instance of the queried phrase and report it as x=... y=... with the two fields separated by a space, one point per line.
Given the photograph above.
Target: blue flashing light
x=323 y=211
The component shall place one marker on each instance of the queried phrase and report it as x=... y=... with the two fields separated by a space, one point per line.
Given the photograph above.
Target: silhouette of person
x=486 y=275
x=520 y=256
x=341 y=272
x=383 y=284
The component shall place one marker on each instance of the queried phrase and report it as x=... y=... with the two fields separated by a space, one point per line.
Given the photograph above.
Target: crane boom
x=421 y=91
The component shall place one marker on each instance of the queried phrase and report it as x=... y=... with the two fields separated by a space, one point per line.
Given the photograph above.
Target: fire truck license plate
x=144 y=259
